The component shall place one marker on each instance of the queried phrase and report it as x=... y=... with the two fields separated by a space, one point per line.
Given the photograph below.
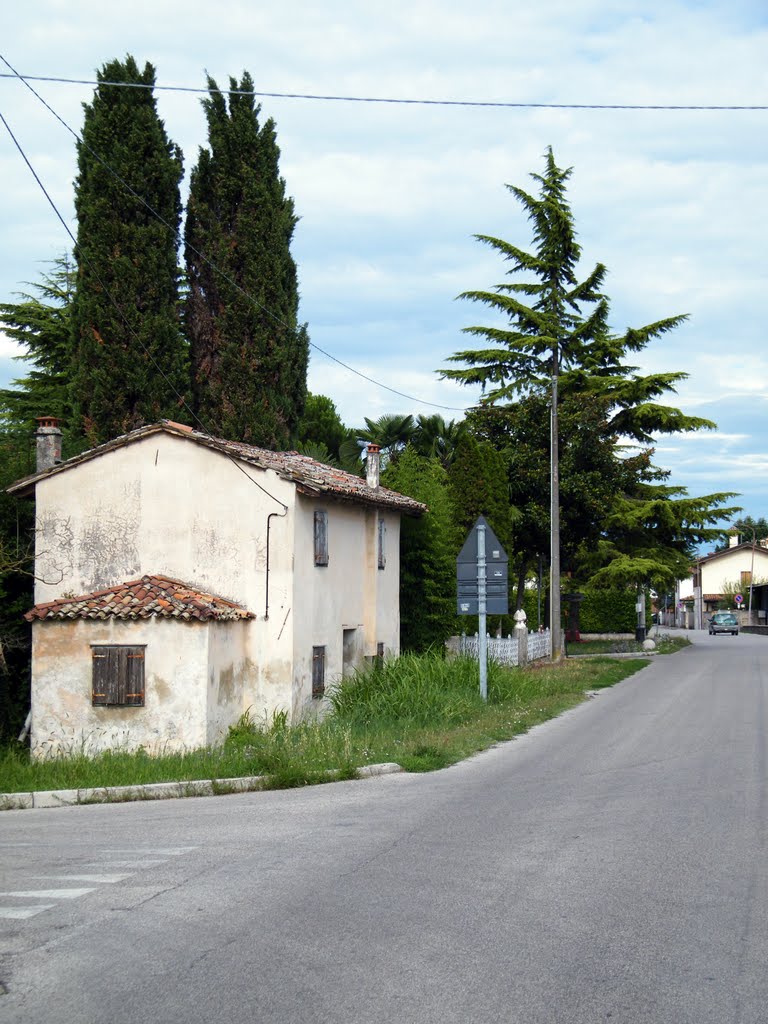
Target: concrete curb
x=158 y=790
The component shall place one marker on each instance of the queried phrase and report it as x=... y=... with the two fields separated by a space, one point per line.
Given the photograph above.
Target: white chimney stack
x=48 y=438
x=733 y=540
x=372 y=465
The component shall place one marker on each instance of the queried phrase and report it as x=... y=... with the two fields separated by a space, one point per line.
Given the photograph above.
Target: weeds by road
x=665 y=644
x=422 y=712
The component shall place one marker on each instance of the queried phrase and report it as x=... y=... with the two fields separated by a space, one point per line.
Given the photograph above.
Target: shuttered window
x=118 y=676
x=318 y=672
x=382 y=540
x=321 y=538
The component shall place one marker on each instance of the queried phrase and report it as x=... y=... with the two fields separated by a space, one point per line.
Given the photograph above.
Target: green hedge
x=601 y=611
x=611 y=611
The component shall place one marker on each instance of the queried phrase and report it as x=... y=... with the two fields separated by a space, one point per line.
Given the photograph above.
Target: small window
x=382 y=543
x=321 y=538
x=318 y=672
x=379 y=655
x=746 y=580
x=118 y=676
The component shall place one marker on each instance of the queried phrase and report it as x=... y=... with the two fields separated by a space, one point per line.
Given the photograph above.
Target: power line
x=210 y=263
x=405 y=101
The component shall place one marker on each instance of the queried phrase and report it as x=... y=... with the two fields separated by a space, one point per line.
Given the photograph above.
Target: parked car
x=724 y=622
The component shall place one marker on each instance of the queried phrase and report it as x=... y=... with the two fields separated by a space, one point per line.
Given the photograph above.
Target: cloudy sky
x=390 y=195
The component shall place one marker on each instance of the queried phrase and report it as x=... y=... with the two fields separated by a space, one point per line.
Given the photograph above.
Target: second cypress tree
x=249 y=354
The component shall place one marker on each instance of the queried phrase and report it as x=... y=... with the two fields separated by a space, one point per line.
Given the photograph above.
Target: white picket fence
x=504 y=649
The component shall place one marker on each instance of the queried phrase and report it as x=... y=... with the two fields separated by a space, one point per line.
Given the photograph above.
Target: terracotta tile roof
x=311 y=477
x=144 y=598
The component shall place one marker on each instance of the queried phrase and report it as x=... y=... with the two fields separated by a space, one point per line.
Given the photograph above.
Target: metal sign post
x=482 y=644
x=477 y=594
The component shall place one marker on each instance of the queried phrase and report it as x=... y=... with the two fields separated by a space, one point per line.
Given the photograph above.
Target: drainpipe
x=270 y=517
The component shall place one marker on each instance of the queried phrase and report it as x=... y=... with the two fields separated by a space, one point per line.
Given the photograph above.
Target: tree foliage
x=129 y=358
x=749 y=531
x=41 y=322
x=249 y=354
x=320 y=424
x=428 y=548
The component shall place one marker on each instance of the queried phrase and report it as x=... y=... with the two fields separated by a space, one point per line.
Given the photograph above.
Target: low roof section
x=149 y=597
x=310 y=477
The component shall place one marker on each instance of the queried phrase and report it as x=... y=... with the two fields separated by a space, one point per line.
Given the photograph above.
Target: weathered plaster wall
x=387 y=628
x=166 y=505
x=233 y=678
x=174 y=712
x=349 y=593
x=162 y=504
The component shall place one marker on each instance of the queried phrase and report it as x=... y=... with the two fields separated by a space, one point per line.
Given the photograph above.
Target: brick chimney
x=48 y=438
x=372 y=466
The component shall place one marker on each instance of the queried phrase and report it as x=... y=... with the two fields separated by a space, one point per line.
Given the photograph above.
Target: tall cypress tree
x=249 y=354
x=130 y=362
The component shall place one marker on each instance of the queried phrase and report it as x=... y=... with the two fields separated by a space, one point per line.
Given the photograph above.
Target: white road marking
x=19 y=913
x=166 y=851
x=107 y=879
x=135 y=863
x=48 y=894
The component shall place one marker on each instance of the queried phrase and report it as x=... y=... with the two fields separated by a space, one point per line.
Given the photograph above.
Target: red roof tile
x=144 y=598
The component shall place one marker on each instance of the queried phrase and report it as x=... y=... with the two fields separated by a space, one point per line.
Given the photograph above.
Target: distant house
x=718 y=576
x=183 y=579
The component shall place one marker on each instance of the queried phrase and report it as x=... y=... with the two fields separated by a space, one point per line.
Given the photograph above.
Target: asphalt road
x=609 y=866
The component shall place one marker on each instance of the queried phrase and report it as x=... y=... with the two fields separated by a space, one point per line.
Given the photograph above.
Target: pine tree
x=557 y=347
x=129 y=355
x=249 y=355
x=41 y=322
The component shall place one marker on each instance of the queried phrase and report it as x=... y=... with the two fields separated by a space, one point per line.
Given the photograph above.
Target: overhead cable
x=407 y=101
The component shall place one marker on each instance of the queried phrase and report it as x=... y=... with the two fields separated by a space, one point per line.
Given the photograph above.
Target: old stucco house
x=183 y=579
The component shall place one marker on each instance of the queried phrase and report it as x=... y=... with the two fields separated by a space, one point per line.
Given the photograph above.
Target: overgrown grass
x=423 y=712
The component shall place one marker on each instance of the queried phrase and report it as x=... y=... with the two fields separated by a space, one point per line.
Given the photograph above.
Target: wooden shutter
x=321 y=538
x=117 y=676
x=133 y=675
x=318 y=671
x=103 y=676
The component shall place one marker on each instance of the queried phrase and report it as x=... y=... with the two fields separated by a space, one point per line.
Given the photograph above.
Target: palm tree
x=391 y=432
x=434 y=438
